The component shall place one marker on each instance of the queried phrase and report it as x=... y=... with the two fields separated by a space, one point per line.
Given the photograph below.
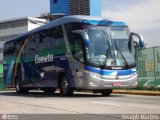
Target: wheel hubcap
x=65 y=86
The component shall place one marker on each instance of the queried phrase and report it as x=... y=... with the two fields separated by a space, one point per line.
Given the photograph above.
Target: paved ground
x=79 y=103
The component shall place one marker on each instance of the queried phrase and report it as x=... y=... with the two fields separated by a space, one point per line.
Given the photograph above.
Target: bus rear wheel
x=64 y=87
x=106 y=92
x=19 y=89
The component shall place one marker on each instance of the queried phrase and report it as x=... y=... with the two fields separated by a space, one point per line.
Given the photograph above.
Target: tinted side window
x=75 y=41
x=13 y=48
x=51 y=38
x=72 y=26
x=46 y=41
x=71 y=36
x=8 y=49
x=78 y=48
x=55 y=32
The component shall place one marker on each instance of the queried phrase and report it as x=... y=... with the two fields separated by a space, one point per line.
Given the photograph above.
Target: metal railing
x=148 y=61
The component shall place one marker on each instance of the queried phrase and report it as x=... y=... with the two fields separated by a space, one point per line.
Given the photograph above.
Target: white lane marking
x=104 y=103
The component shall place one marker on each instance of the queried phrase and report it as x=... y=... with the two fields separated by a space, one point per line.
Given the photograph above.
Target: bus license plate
x=116 y=84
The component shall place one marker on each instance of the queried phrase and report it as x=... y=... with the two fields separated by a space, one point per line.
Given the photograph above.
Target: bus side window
x=7 y=49
x=72 y=37
x=32 y=45
x=78 y=48
x=55 y=37
x=11 y=49
x=56 y=32
x=55 y=40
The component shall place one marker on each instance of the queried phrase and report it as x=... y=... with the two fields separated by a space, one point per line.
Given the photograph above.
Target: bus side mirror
x=140 y=40
x=84 y=36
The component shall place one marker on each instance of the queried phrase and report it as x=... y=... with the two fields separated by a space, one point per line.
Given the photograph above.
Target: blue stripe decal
x=111 y=72
x=109 y=23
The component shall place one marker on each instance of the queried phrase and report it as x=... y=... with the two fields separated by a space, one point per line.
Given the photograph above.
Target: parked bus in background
x=72 y=53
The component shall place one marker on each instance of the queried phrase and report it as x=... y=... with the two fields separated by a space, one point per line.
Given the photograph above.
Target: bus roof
x=76 y=18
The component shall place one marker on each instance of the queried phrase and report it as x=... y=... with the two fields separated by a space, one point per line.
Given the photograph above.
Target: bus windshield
x=110 y=47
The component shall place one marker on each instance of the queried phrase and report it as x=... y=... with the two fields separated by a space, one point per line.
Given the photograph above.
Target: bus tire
x=64 y=87
x=106 y=92
x=19 y=89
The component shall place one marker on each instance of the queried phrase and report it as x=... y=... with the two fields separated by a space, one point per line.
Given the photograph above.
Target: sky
x=142 y=16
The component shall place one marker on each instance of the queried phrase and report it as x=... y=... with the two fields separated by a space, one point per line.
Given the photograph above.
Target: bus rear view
x=95 y=54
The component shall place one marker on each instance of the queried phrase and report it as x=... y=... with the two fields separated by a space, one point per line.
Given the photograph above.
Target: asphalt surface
x=37 y=102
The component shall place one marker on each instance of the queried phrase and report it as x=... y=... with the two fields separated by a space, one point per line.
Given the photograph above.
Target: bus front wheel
x=64 y=87
x=106 y=92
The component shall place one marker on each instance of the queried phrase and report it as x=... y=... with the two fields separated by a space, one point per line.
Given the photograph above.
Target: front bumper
x=96 y=81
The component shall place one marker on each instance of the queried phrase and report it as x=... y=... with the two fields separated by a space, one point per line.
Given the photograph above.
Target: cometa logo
x=43 y=59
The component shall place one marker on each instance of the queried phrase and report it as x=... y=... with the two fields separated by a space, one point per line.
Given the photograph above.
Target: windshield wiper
x=109 y=50
x=118 y=50
x=126 y=63
x=109 y=53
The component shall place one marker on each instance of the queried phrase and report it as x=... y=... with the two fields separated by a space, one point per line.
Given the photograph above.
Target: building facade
x=76 y=7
